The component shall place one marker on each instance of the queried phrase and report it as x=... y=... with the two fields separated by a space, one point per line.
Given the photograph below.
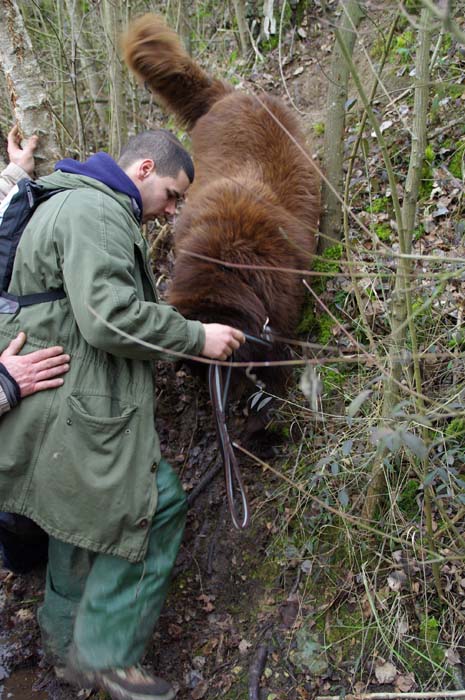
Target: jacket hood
x=103 y=168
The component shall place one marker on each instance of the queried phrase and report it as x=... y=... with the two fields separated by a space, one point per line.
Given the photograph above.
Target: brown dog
x=254 y=201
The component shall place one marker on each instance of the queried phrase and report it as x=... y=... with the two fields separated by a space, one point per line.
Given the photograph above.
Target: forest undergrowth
x=383 y=599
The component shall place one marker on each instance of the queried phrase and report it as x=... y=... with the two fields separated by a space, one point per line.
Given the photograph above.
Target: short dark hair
x=161 y=146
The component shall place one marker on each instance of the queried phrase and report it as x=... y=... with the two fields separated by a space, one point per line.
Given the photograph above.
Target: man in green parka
x=83 y=461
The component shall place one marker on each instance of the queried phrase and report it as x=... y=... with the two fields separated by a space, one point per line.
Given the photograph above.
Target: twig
x=256 y=670
x=204 y=481
x=396 y=696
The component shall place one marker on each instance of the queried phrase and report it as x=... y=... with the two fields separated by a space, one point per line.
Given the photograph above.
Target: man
x=84 y=461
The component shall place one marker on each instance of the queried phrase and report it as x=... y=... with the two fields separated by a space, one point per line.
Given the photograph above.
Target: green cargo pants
x=104 y=607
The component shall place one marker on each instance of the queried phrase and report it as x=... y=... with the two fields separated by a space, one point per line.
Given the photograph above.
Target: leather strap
x=218 y=384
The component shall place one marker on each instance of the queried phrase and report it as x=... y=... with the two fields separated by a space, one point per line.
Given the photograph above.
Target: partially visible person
x=23 y=544
x=22 y=375
x=21 y=163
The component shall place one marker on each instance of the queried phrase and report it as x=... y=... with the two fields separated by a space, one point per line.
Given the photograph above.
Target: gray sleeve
x=9 y=391
x=9 y=177
x=4 y=404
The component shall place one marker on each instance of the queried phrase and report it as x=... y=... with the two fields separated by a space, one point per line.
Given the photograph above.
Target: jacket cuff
x=196 y=336
x=10 y=387
x=4 y=403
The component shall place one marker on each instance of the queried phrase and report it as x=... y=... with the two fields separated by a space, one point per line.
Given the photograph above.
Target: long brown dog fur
x=254 y=201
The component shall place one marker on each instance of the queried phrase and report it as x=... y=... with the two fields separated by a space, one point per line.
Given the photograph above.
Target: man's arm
x=22 y=375
x=99 y=275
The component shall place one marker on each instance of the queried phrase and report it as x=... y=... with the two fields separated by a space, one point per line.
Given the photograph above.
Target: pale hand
x=221 y=341
x=24 y=157
x=36 y=370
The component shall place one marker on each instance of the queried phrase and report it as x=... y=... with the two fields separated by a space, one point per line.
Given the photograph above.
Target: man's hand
x=221 y=341
x=37 y=370
x=24 y=157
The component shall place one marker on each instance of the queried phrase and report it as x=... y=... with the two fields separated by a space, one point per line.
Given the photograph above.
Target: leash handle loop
x=233 y=477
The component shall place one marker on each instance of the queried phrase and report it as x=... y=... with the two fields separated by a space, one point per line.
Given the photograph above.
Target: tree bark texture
x=245 y=44
x=112 y=23
x=27 y=93
x=269 y=21
x=183 y=25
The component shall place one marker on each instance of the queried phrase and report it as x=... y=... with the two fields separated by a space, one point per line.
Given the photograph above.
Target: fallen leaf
x=396 y=580
x=244 y=645
x=199 y=691
x=207 y=602
x=175 y=631
x=193 y=678
x=403 y=627
x=288 y=612
x=405 y=682
x=386 y=672
x=24 y=615
x=198 y=662
x=452 y=657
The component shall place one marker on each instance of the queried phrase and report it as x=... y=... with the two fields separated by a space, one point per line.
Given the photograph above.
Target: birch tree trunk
x=331 y=221
x=27 y=93
x=269 y=21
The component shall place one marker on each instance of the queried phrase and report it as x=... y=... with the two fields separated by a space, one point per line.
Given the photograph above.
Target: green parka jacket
x=80 y=460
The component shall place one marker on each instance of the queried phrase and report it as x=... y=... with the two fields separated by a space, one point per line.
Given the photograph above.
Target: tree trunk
x=331 y=221
x=269 y=22
x=111 y=19
x=245 y=43
x=74 y=64
x=28 y=95
x=93 y=79
x=184 y=25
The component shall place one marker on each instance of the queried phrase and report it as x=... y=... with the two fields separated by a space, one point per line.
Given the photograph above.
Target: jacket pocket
x=101 y=438
x=99 y=409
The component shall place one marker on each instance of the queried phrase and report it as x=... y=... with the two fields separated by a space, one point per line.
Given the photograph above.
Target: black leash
x=219 y=389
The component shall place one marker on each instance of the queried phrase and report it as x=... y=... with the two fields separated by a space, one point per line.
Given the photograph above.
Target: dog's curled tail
x=153 y=51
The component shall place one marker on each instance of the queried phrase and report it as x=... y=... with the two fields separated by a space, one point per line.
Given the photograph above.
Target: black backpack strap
x=14 y=218
x=11 y=303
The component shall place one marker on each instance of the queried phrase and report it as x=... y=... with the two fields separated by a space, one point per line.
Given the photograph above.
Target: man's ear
x=146 y=167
